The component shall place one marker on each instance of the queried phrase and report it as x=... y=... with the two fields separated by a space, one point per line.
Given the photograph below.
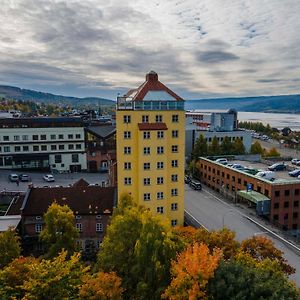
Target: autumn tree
x=273 y=153
x=59 y=232
x=256 y=148
x=214 y=148
x=9 y=246
x=226 y=146
x=191 y=272
x=200 y=148
x=238 y=147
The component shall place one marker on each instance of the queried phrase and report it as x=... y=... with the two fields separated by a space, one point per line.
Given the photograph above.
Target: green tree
x=238 y=147
x=10 y=246
x=214 y=148
x=59 y=232
x=234 y=280
x=226 y=146
x=256 y=148
x=200 y=148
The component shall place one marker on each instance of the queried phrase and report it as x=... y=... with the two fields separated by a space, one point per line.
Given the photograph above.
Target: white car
x=222 y=161
x=49 y=178
x=295 y=161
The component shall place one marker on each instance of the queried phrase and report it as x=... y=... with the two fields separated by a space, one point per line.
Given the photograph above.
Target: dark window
x=267 y=193
x=227 y=176
x=175 y=118
x=36 y=148
x=44 y=148
x=277 y=193
x=296 y=203
x=75 y=158
x=286 y=204
x=214 y=170
x=53 y=136
x=5 y=138
x=145 y=119
x=286 y=216
x=61 y=136
x=296 y=191
x=218 y=172
x=245 y=183
x=35 y=137
x=276 y=205
x=43 y=137
x=25 y=148
x=275 y=217
x=175 y=133
x=239 y=180
x=78 y=146
x=78 y=136
x=209 y=169
x=70 y=136
x=70 y=146
x=233 y=178
x=57 y=158
x=286 y=192
x=223 y=174
x=126 y=119
x=295 y=215
x=53 y=147
x=61 y=147
x=259 y=189
x=17 y=148
x=295 y=226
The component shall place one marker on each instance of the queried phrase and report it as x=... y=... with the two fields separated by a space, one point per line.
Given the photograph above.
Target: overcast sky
x=200 y=48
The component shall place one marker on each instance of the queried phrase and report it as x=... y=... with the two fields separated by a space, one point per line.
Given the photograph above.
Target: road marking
x=185 y=211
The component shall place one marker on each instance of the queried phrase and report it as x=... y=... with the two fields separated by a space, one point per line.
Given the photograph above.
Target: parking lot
x=37 y=179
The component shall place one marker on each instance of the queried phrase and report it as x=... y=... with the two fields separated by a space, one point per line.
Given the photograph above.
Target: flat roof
x=253 y=196
x=9 y=221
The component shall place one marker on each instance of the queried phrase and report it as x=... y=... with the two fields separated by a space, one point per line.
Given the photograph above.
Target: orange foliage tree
x=191 y=272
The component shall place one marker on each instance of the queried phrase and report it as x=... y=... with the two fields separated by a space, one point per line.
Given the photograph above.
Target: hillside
x=284 y=103
x=10 y=92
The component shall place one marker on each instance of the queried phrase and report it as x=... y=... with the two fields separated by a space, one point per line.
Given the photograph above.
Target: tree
x=234 y=280
x=191 y=272
x=273 y=153
x=200 y=148
x=101 y=286
x=59 y=232
x=256 y=148
x=238 y=147
x=214 y=148
x=10 y=246
x=226 y=146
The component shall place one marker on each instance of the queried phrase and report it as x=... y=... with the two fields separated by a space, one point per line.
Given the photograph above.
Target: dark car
x=295 y=173
x=24 y=177
x=196 y=185
x=187 y=179
x=277 y=167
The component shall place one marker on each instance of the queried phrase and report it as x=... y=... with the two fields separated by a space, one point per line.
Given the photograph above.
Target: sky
x=199 y=48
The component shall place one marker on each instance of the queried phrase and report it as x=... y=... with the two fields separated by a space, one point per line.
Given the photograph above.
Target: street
x=213 y=212
x=37 y=179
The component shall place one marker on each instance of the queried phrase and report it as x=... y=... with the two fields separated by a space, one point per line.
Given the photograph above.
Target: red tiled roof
x=151 y=84
x=152 y=126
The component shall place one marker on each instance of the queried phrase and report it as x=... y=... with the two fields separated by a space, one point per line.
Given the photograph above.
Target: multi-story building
x=214 y=124
x=150 y=148
x=42 y=143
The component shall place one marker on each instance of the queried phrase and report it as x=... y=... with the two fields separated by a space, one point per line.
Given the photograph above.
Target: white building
x=42 y=143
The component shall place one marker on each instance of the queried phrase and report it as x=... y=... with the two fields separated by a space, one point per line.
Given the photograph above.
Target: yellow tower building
x=150 y=148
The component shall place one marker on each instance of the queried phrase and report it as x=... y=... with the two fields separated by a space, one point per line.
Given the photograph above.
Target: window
x=160 y=150
x=127 y=165
x=53 y=136
x=160 y=195
x=75 y=158
x=296 y=192
x=127 y=150
x=174 y=163
x=57 y=158
x=127 y=134
x=146 y=196
x=146 y=150
x=38 y=228
x=146 y=135
x=36 y=148
x=79 y=227
x=296 y=203
x=127 y=180
x=16 y=137
x=146 y=181
x=160 y=165
x=146 y=166
x=175 y=118
x=160 y=134
x=99 y=227
x=70 y=146
x=174 y=133
x=35 y=137
x=61 y=147
x=17 y=148
x=174 y=192
x=275 y=217
x=295 y=215
x=6 y=149
x=286 y=193
x=276 y=205
x=277 y=193
x=174 y=148
x=126 y=119
x=25 y=137
x=78 y=146
x=53 y=147
x=145 y=119
x=25 y=148
x=5 y=138
x=158 y=118
x=159 y=180
x=174 y=206
x=173 y=223
x=174 y=177
x=70 y=136
x=160 y=209
x=61 y=136
x=286 y=204
x=78 y=136
x=43 y=137
x=44 y=147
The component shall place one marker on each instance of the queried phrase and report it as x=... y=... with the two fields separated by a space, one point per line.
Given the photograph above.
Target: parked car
x=222 y=161
x=187 y=179
x=48 y=178
x=250 y=171
x=24 y=177
x=268 y=175
x=277 y=167
x=237 y=166
x=13 y=177
x=295 y=173
x=196 y=185
x=294 y=161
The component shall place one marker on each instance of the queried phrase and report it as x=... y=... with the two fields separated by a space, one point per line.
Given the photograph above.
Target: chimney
x=152 y=76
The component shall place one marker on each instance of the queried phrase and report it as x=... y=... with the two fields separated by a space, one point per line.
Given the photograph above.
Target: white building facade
x=42 y=143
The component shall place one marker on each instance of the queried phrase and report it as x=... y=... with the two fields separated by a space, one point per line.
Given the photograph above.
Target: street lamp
x=223 y=216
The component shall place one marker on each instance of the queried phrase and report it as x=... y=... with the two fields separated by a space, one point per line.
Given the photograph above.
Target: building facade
x=150 y=148
x=42 y=143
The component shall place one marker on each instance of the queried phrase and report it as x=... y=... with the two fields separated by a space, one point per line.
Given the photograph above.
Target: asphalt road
x=37 y=179
x=213 y=212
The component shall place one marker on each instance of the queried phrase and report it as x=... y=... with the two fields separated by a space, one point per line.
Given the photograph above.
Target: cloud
x=214 y=57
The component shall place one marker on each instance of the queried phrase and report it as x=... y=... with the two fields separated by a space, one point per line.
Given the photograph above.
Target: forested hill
x=10 y=92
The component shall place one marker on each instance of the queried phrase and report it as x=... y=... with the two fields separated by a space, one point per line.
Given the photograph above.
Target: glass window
x=70 y=136
x=160 y=195
x=174 y=177
x=36 y=148
x=5 y=138
x=173 y=223
x=160 y=180
x=127 y=150
x=78 y=146
x=175 y=118
x=174 y=133
x=160 y=150
x=146 y=135
x=38 y=228
x=53 y=147
x=174 y=163
x=174 y=206
x=146 y=166
x=43 y=137
x=6 y=149
x=126 y=119
x=174 y=148
x=158 y=118
x=160 y=134
x=160 y=209
x=146 y=150
x=25 y=148
x=52 y=136
x=146 y=196
x=127 y=180
x=17 y=148
x=35 y=137
x=145 y=119
x=79 y=227
x=61 y=136
x=99 y=227
x=25 y=137
x=70 y=146
x=44 y=147
x=127 y=165
x=75 y=158
x=61 y=147
x=174 y=192
x=160 y=165
x=127 y=134
x=57 y=158
x=147 y=181
x=16 y=137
